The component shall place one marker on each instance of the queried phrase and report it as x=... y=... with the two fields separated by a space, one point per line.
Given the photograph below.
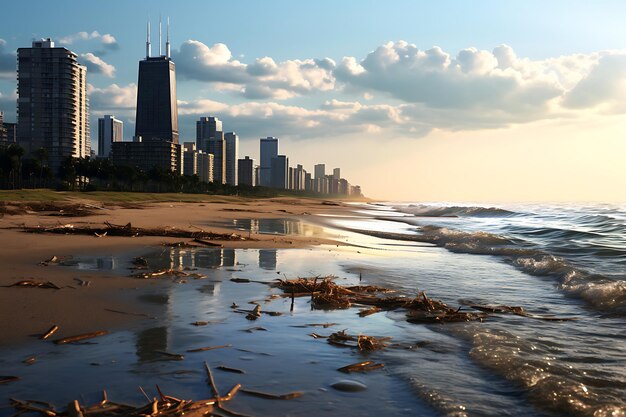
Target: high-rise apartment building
x=269 y=151
x=157 y=109
x=232 y=157
x=109 y=130
x=246 y=172
x=217 y=147
x=205 y=166
x=3 y=130
x=53 y=109
x=190 y=159
x=319 y=171
x=337 y=174
x=210 y=139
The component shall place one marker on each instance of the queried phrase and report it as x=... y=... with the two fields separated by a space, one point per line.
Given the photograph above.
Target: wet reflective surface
x=508 y=365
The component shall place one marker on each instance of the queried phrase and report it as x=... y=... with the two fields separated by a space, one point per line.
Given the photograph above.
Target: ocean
x=564 y=260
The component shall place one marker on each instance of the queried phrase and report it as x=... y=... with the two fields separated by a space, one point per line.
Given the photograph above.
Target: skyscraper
x=157 y=110
x=232 y=156
x=155 y=144
x=280 y=172
x=53 y=109
x=109 y=130
x=319 y=170
x=269 y=151
x=206 y=128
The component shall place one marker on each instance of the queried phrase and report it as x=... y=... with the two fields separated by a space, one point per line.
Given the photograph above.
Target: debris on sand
x=31 y=283
x=128 y=230
x=269 y=396
x=164 y=405
x=325 y=294
x=49 y=209
x=361 y=367
x=80 y=337
x=168 y=272
x=362 y=342
x=50 y=332
x=518 y=311
x=5 y=379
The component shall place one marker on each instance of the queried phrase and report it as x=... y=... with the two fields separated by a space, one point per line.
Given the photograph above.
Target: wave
x=599 y=291
x=552 y=384
x=422 y=210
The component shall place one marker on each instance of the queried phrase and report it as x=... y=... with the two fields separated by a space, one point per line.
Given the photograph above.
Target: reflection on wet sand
x=149 y=341
x=267 y=259
x=204 y=258
x=276 y=227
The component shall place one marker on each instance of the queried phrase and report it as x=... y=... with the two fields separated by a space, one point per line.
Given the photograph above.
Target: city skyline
x=512 y=119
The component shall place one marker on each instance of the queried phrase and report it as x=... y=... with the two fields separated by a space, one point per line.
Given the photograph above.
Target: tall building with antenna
x=156 y=127
x=157 y=110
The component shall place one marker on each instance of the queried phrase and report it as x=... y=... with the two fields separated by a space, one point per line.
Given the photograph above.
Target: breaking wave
x=423 y=210
x=563 y=384
x=600 y=291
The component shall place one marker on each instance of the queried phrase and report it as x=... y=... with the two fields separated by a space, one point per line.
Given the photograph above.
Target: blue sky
x=560 y=65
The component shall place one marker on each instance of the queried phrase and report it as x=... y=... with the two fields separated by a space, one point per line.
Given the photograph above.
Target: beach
x=441 y=310
x=25 y=313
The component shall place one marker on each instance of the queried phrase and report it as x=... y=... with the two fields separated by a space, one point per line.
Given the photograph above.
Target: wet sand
x=27 y=312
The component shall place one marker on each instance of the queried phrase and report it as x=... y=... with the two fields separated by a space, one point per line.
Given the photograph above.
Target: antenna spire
x=167 y=43
x=148 y=48
x=160 y=38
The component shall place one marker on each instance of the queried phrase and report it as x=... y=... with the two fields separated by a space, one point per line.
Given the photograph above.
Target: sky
x=467 y=101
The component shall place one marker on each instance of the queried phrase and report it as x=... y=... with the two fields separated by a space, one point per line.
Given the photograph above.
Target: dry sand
x=27 y=312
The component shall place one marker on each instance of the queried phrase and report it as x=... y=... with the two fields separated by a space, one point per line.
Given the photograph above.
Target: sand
x=25 y=313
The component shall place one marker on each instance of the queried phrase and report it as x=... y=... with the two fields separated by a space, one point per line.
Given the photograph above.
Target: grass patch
x=111 y=196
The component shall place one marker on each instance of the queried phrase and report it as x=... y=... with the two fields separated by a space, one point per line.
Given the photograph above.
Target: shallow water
x=507 y=365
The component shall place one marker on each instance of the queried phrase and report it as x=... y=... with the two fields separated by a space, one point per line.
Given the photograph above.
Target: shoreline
x=27 y=312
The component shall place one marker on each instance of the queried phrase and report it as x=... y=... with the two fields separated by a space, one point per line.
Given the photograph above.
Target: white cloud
x=97 y=65
x=604 y=86
x=8 y=61
x=113 y=98
x=106 y=41
x=396 y=90
x=8 y=105
x=263 y=79
x=334 y=118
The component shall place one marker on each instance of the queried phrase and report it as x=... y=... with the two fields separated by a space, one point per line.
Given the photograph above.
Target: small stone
x=348 y=385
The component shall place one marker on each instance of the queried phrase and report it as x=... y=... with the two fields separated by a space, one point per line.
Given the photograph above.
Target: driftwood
x=80 y=337
x=50 y=332
x=5 y=379
x=31 y=283
x=164 y=405
x=203 y=349
x=269 y=396
x=229 y=369
x=361 y=367
x=128 y=230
